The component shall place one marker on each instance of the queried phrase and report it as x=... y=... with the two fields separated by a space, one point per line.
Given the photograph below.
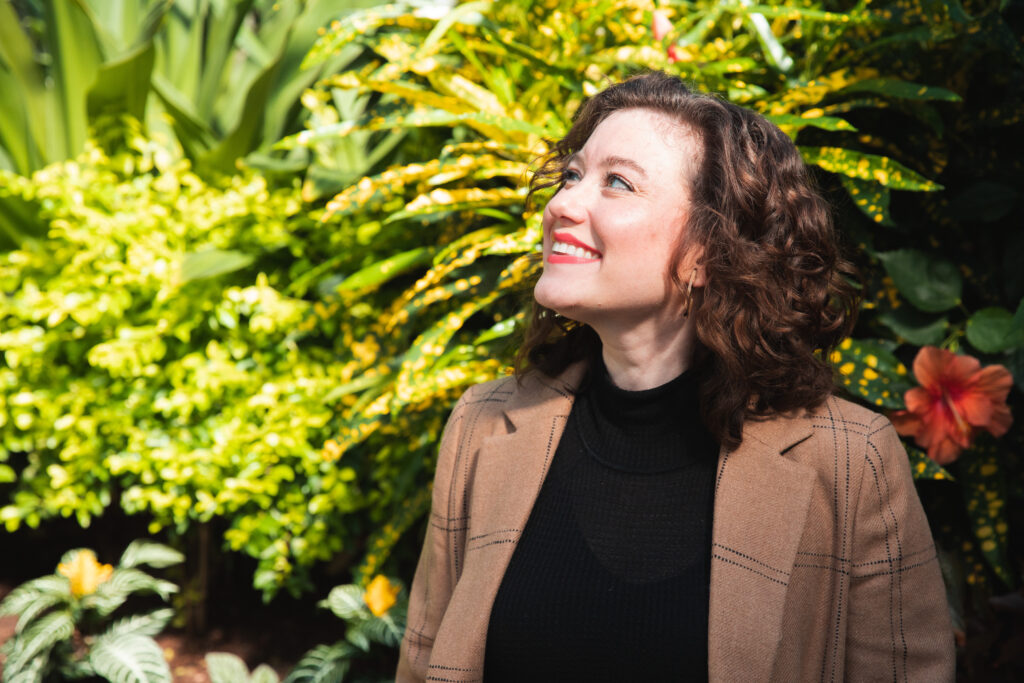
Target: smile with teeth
x=572 y=250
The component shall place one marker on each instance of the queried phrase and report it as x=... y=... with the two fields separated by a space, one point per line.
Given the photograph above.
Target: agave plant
x=70 y=623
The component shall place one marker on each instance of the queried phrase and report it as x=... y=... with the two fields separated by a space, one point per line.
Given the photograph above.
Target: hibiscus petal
x=919 y=400
x=984 y=395
x=934 y=367
x=959 y=370
x=906 y=422
x=945 y=451
x=1001 y=420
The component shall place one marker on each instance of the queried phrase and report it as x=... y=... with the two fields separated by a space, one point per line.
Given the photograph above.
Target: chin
x=552 y=297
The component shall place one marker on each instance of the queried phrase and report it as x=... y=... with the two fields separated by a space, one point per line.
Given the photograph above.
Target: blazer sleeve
x=898 y=627
x=436 y=574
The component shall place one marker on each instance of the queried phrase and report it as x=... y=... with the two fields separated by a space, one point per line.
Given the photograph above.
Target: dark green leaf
x=870 y=197
x=929 y=282
x=902 y=89
x=983 y=484
x=869 y=370
x=995 y=329
x=915 y=327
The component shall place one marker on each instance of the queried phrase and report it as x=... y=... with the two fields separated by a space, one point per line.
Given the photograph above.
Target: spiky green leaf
x=129 y=658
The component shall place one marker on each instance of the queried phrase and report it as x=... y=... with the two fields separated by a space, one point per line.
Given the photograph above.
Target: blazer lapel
x=761 y=503
x=509 y=472
x=534 y=423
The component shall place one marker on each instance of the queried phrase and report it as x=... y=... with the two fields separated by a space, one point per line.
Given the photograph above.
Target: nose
x=568 y=206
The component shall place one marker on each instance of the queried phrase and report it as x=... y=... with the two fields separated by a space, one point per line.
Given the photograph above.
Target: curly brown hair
x=778 y=296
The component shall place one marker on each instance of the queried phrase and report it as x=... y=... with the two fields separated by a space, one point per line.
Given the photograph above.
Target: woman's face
x=610 y=231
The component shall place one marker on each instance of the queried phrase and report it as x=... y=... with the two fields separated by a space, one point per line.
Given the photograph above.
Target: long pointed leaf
x=76 y=63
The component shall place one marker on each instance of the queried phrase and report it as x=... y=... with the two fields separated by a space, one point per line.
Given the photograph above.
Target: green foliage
x=222 y=78
x=138 y=372
x=224 y=667
x=65 y=624
x=364 y=627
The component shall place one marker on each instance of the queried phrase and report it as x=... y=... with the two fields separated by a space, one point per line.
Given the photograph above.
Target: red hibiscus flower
x=956 y=400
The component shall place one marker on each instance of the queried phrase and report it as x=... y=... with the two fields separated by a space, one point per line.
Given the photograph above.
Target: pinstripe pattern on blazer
x=823 y=567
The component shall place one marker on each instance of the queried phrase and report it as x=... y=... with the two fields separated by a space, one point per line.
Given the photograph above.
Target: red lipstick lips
x=588 y=254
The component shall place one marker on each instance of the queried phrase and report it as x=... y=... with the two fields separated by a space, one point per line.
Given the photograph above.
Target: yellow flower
x=380 y=595
x=85 y=573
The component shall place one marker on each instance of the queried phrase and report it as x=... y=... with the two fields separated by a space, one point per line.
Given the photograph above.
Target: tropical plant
x=74 y=623
x=374 y=615
x=224 y=73
x=216 y=81
x=224 y=667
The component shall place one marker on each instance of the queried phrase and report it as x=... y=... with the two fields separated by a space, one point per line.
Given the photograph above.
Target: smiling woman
x=624 y=198
x=668 y=490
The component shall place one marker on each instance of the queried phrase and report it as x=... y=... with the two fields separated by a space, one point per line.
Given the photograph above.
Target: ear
x=693 y=266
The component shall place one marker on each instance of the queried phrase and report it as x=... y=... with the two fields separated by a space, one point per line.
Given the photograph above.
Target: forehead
x=656 y=141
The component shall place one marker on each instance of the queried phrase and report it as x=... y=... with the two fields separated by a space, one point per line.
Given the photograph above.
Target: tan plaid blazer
x=823 y=567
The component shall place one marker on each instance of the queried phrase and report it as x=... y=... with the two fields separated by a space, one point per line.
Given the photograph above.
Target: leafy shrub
x=66 y=623
x=374 y=615
x=150 y=363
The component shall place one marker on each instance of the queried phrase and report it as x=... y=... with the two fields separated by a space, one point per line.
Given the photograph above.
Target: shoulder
x=845 y=436
x=846 y=422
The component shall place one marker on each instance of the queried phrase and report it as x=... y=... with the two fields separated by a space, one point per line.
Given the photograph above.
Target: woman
x=668 y=490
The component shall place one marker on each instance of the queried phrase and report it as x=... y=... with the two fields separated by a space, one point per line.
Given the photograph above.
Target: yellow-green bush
x=152 y=360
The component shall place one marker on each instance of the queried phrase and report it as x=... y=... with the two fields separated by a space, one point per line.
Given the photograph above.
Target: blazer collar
x=761 y=503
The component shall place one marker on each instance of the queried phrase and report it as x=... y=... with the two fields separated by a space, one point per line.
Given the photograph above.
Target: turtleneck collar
x=645 y=432
x=662 y=407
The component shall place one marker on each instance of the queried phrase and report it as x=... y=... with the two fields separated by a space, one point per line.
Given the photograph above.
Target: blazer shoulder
x=840 y=415
x=488 y=397
x=509 y=394
x=851 y=433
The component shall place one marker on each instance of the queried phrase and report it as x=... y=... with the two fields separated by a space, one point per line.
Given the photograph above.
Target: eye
x=570 y=175
x=617 y=182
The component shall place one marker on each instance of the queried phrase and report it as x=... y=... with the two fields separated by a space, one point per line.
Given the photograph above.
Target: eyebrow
x=623 y=161
x=608 y=162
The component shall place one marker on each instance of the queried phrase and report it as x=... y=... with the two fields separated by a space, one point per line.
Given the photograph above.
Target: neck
x=647 y=355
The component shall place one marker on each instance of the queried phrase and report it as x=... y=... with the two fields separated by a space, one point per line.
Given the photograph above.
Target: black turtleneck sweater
x=609 y=581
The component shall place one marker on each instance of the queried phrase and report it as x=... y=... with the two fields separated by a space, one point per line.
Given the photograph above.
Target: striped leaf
x=882 y=170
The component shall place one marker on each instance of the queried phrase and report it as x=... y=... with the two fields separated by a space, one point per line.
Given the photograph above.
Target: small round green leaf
x=994 y=329
x=915 y=327
x=929 y=282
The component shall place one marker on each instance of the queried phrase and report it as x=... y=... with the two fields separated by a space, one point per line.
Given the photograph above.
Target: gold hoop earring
x=689 y=293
